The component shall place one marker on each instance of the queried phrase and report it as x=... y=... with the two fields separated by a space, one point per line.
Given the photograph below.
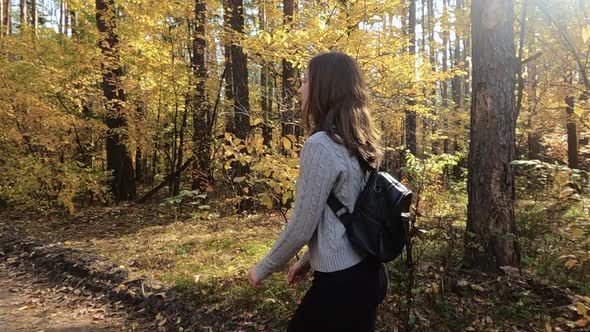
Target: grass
x=207 y=262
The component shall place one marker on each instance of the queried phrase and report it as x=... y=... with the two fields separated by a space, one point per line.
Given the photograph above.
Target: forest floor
x=197 y=265
x=31 y=302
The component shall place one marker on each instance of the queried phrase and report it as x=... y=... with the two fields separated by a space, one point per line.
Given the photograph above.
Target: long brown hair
x=338 y=104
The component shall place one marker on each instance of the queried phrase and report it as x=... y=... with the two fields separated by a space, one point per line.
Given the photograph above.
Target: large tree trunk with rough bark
x=239 y=88
x=118 y=155
x=239 y=71
x=202 y=115
x=491 y=230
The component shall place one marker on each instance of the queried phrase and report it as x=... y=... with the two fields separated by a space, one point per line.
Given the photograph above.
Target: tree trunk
x=2 y=20
x=60 y=27
x=522 y=34
x=457 y=80
x=430 y=126
x=444 y=84
x=139 y=169
x=491 y=229
x=180 y=156
x=74 y=24
x=66 y=17
x=202 y=117
x=288 y=126
x=239 y=72
x=467 y=52
x=24 y=20
x=229 y=88
x=572 y=134
x=534 y=139
x=410 y=114
x=35 y=18
x=8 y=17
x=118 y=156
x=266 y=86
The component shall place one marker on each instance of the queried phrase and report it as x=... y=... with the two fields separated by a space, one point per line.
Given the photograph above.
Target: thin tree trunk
x=60 y=28
x=572 y=134
x=430 y=126
x=229 y=89
x=8 y=17
x=2 y=19
x=534 y=140
x=35 y=18
x=522 y=35
x=266 y=85
x=74 y=24
x=139 y=169
x=157 y=144
x=411 y=114
x=468 y=66
x=444 y=84
x=424 y=27
x=179 y=160
x=118 y=155
x=534 y=147
x=288 y=126
x=66 y=17
x=490 y=241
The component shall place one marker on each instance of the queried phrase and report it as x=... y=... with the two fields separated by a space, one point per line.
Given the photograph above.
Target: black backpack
x=379 y=223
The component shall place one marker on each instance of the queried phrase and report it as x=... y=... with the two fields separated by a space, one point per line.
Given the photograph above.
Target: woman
x=348 y=285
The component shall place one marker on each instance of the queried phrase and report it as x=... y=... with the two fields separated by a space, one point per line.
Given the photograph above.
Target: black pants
x=344 y=300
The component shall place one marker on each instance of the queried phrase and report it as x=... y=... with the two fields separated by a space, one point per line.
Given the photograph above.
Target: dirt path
x=30 y=303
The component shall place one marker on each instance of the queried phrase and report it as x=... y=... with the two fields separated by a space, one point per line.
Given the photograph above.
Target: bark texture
x=118 y=155
x=491 y=230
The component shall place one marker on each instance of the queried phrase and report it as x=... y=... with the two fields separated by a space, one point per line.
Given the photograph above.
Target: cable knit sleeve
x=317 y=176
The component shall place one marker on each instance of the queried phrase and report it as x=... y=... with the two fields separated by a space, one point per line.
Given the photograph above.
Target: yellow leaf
x=571 y=263
x=576 y=233
x=286 y=143
x=256 y=121
x=266 y=201
x=581 y=309
x=548 y=327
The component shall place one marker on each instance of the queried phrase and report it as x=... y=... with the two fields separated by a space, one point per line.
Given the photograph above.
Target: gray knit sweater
x=324 y=165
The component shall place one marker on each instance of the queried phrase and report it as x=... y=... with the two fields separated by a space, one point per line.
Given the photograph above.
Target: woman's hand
x=254 y=279
x=296 y=273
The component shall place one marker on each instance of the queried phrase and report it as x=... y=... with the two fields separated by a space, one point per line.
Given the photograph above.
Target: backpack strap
x=340 y=210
